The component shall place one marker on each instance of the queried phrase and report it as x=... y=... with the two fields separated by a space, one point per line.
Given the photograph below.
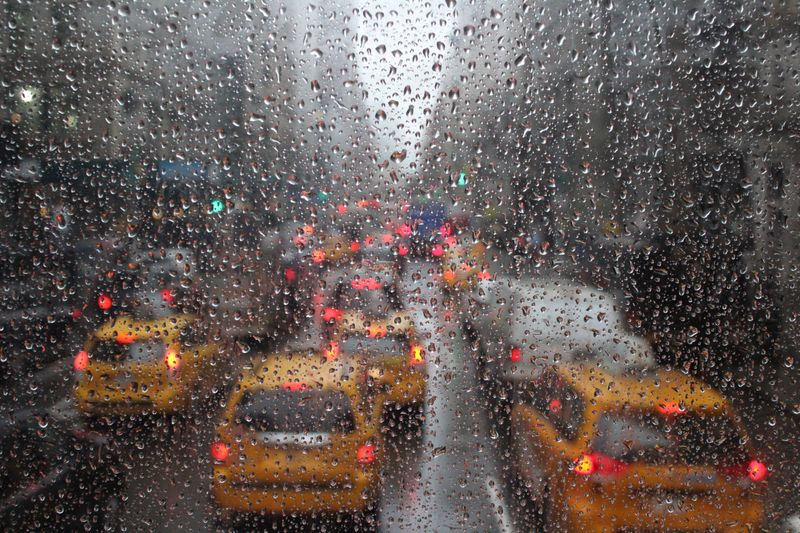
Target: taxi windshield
x=683 y=438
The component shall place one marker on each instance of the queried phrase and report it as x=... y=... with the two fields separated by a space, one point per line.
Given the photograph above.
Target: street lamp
x=28 y=94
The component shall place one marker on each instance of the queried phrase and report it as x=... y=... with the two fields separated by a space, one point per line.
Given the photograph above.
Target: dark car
x=55 y=475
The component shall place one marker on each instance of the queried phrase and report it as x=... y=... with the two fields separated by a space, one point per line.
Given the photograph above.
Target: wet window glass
x=407 y=265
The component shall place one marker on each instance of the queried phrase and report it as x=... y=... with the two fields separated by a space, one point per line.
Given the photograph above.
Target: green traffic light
x=217 y=206
x=462 y=179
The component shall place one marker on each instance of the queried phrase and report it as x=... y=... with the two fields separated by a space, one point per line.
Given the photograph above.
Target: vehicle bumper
x=167 y=400
x=409 y=388
x=608 y=514
x=281 y=500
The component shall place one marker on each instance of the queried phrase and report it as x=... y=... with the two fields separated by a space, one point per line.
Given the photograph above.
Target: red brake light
x=366 y=454
x=387 y=238
x=354 y=246
x=331 y=313
x=671 y=408
x=402 y=250
x=81 y=361
x=446 y=230
x=104 y=302
x=290 y=274
x=437 y=251
x=172 y=359
x=516 y=355
x=554 y=406
x=167 y=296
x=756 y=470
x=369 y=284
x=417 y=355
x=404 y=230
x=294 y=386
x=341 y=208
x=219 y=451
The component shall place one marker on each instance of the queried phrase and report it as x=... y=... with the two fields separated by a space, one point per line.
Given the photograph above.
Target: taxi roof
x=644 y=390
x=306 y=368
x=395 y=323
x=168 y=326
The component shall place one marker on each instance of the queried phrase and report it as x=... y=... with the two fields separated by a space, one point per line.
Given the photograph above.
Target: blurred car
x=386 y=343
x=370 y=288
x=299 y=435
x=133 y=365
x=56 y=475
x=655 y=451
x=463 y=262
x=523 y=328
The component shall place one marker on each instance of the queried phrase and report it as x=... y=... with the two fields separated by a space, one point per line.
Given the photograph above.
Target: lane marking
x=497 y=501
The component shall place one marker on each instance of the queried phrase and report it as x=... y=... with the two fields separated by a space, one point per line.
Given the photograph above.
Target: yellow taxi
x=333 y=249
x=658 y=452
x=463 y=264
x=389 y=345
x=132 y=366
x=300 y=434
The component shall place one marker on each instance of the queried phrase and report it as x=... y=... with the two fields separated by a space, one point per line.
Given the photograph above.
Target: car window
x=286 y=411
x=679 y=438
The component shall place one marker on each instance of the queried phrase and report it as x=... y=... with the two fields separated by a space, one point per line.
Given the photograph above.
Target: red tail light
x=671 y=408
x=331 y=313
x=219 y=451
x=354 y=246
x=167 y=296
x=437 y=251
x=387 y=238
x=172 y=359
x=554 y=406
x=368 y=284
x=366 y=454
x=104 y=302
x=417 y=355
x=756 y=470
x=81 y=361
x=402 y=250
x=295 y=386
x=290 y=274
x=599 y=464
x=516 y=355
x=404 y=230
